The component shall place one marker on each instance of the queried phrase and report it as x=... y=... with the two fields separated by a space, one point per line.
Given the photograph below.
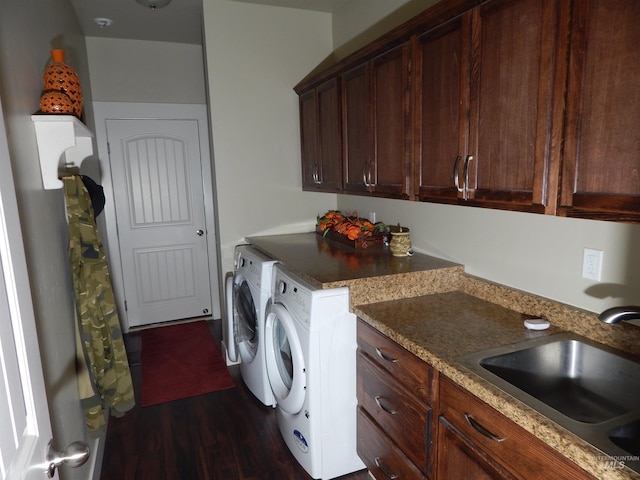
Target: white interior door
x=25 y=425
x=162 y=232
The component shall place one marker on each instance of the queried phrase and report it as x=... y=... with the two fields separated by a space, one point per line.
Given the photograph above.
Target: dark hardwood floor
x=226 y=435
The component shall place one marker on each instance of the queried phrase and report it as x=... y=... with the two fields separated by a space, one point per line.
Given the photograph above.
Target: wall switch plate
x=592 y=264
x=372 y=217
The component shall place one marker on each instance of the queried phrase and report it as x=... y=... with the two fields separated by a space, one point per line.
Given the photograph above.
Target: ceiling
x=180 y=21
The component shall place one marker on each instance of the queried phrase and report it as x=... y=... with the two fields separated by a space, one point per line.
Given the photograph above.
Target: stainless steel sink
x=584 y=382
x=588 y=388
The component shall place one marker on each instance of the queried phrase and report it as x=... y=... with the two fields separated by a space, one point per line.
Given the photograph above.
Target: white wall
x=28 y=30
x=360 y=21
x=255 y=55
x=145 y=72
x=536 y=253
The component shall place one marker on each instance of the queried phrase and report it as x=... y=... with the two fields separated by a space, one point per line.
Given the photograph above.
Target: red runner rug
x=181 y=361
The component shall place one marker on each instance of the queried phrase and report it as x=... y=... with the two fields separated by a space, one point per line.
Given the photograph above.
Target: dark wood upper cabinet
x=441 y=108
x=486 y=105
x=527 y=105
x=376 y=127
x=357 y=127
x=321 y=131
x=515 y=73
x=601 y=171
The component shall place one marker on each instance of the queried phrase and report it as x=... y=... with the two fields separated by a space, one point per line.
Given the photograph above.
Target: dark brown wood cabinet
x=601 y=174
x=321 y=143
x=441 y=108
x=459 y=457
x=376 y=128
x=515 y=74
x=486 y=108
x=526 y=105
x=476 y=441
x=394 y=408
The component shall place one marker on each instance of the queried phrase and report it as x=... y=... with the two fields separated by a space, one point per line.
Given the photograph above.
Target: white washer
x=248 y=293
x=311 y=362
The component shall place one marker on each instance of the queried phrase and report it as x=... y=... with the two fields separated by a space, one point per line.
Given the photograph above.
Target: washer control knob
x=282 y=286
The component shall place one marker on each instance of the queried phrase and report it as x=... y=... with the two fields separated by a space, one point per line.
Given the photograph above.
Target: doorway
x=160 y=211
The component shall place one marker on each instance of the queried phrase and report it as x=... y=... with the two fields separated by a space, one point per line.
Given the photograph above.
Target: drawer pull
x=390 y=476
x=385 y=356
x=390 y=411
x=481 y=429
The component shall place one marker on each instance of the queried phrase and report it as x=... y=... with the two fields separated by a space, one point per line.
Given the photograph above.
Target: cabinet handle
x=390 y=476
x=466 y=176
x=385 y=356
x=390 y=411
x=481 y=429
x=456 y=180
x=316 y=177
x=366 y=174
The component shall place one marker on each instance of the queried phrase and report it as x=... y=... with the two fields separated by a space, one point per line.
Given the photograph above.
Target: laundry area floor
x=226 y=435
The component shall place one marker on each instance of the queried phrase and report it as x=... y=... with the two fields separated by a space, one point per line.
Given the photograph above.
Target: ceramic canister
x=400 y=242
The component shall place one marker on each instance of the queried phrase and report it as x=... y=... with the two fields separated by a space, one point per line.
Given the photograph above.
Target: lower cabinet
x=414 y=423
x=381 y=455
x=395 y=419
x=459 y=457
x=476 y=441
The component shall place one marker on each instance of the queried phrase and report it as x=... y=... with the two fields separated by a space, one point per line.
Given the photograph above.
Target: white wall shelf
x=63 y=143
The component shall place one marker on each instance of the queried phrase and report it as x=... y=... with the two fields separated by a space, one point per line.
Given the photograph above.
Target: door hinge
x=108 y=148
x=126 y=307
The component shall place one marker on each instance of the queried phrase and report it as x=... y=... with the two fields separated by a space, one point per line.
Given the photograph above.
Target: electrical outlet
x=592 y=264
x=372 y=217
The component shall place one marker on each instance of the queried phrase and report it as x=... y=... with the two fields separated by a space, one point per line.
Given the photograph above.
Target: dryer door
x=285 y=361
x=245 y=320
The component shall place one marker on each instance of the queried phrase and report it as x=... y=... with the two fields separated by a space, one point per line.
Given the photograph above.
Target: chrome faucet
x=617 y=314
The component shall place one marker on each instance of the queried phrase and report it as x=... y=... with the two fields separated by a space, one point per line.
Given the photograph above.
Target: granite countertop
x=324 y=262
x=440 y=327
x=372 y=274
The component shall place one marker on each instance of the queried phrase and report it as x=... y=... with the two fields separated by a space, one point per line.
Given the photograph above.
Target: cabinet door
x=458 y=457
x=601 y=177
x=356 y=124
x=382 y=457
x=400 y=416
x=514 y=76
x=376 y=125
x=390 y=78
x=320 y=121
x=508 y=445
x=309 y=138
x=441 y=105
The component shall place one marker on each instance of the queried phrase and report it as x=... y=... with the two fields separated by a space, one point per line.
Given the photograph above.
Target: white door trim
x=104 y=111
x=32 y=426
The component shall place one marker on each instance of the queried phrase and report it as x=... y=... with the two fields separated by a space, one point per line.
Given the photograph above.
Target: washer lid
x=285 y=361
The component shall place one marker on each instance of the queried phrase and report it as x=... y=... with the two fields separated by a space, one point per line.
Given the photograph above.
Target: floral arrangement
x=351 y=226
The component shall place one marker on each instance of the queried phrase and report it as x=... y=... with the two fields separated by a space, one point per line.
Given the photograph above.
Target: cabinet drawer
x=398 y=414
x=411 y=372
x=517 y=450
x=381 y=456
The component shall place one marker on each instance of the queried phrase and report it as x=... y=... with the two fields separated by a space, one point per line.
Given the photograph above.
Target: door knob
x=75 y=455
x=199 y=232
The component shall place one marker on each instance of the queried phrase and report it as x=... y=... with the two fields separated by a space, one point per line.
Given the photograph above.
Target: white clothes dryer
x=311 y=363
x=248 y=294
